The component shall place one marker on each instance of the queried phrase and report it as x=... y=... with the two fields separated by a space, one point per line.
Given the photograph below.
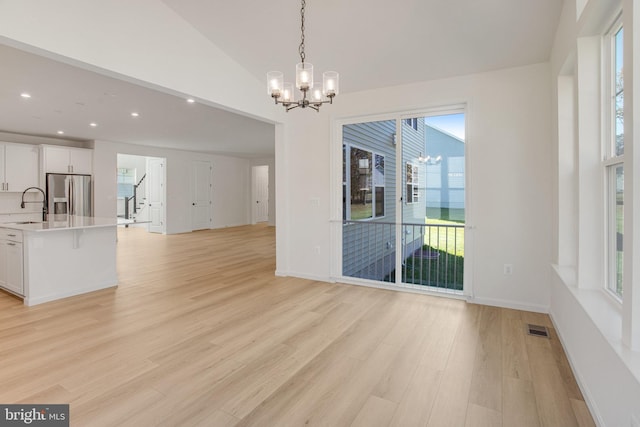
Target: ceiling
x=66 y=98
x=379 y=43
x=372 y=43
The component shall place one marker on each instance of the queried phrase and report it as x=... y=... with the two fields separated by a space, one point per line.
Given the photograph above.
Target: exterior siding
x=369 y=246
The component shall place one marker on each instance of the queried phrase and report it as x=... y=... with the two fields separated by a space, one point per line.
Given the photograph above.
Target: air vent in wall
x=537 y=330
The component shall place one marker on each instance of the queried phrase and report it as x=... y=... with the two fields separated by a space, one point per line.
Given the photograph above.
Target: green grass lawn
x=445 y=268
x=360 y=211
x=449 y=240
x=444 y=271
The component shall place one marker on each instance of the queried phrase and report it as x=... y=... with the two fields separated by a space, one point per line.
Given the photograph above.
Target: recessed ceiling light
x=191 y=100
x=60 y=132
x=93 y=124
x=25 y=95
x=134 y=114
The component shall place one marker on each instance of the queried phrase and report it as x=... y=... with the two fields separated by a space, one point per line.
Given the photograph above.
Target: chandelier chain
x=301 y=48
x=312 y=97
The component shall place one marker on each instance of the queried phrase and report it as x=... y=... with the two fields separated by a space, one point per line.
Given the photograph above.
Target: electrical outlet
x=317 y=250
x=508 y=269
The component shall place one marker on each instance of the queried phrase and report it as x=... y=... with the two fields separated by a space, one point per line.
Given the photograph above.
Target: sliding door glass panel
x=433 y=210
x=368 y=200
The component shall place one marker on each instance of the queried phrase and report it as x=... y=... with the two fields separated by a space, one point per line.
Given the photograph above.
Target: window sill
x=606 y=315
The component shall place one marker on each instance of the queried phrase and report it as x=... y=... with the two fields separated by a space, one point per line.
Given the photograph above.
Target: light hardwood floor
x=199 y=332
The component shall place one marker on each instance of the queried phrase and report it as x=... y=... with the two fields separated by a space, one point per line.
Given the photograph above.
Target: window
x=364 y=186
x=614 y=162
x=413 y=122
x=412 y=183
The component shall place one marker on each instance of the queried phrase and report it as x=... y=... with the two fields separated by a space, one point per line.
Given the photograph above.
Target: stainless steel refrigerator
x=69 y=195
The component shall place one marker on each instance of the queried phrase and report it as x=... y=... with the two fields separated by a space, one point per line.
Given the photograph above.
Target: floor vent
x=538 y=331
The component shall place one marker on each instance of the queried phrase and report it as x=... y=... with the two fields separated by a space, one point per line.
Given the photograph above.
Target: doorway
x=156 y=201
x=260 y=193
x=201 y=187
x=141 y=192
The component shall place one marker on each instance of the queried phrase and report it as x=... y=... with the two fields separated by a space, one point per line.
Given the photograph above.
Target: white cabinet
x=18 y=166
x=67 y=160
x=11 y=261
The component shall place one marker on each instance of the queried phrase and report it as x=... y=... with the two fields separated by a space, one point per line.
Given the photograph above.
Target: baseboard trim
x=586 y=391
x=509 y=304
x=48 y=298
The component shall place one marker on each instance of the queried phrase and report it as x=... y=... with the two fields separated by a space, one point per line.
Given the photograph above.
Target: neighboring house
x=445 y=167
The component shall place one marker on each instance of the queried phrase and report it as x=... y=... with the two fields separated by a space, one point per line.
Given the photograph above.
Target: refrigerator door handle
x=71 y=209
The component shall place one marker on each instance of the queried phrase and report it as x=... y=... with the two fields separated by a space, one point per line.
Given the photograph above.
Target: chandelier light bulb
x=287 y=93
x=330 y=80
x=275 y=84
x=304 y=76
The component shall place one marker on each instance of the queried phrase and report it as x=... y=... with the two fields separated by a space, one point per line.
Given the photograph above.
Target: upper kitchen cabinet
x=67 y=160
x=18 y=166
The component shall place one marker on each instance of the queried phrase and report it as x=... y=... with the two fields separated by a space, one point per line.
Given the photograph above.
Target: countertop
x=70 y=223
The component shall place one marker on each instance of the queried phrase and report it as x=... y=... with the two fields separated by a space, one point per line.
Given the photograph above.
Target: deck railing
x=432 y=253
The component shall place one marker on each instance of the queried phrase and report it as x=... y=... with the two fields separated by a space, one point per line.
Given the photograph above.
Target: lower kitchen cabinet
x=11 y=262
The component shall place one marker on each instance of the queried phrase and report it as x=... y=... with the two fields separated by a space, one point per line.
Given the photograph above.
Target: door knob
x=193 y=204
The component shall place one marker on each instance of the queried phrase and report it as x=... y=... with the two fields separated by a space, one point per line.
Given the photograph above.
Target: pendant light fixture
x=283 y=93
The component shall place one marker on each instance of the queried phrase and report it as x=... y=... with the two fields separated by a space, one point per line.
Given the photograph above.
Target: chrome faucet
x=44 y=201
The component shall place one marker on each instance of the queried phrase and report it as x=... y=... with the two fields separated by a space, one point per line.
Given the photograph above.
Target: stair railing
x=134 y=198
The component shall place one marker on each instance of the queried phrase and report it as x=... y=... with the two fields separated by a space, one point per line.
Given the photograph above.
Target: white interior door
x=201 y=186
x=155 y=174
x=260 y=190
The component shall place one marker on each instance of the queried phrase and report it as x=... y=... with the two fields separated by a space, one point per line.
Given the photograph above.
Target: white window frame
x=412 y=196
x=611 y=161
x=411 y=122
x=347 y=183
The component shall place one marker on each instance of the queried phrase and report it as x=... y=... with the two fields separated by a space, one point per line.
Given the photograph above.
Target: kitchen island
x=61 y=258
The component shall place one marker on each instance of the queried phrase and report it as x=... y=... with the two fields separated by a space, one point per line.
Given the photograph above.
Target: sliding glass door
x=404 y=201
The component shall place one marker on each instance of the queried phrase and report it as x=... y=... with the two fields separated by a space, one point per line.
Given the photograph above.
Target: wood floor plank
x=486 y=383
x=375 y=412
x=519 y=403
x=414 y=409
x=554 y=407
x=200 y=332
x=515 y=361
x=479 y=416
x=450 y=406
x=582 y=413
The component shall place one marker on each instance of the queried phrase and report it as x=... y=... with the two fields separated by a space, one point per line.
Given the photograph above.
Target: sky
x=451 y=123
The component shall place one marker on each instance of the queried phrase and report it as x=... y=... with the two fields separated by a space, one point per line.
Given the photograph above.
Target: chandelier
x=283 y=93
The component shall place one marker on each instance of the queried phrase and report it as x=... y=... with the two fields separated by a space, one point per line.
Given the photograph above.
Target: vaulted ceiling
x=378 y=43
x=372 y=43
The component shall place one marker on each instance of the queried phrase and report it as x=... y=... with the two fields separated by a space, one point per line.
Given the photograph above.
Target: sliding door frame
x=336 y=204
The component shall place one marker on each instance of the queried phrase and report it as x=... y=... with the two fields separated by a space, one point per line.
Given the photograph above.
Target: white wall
x=510 y=191
x=231 y=184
